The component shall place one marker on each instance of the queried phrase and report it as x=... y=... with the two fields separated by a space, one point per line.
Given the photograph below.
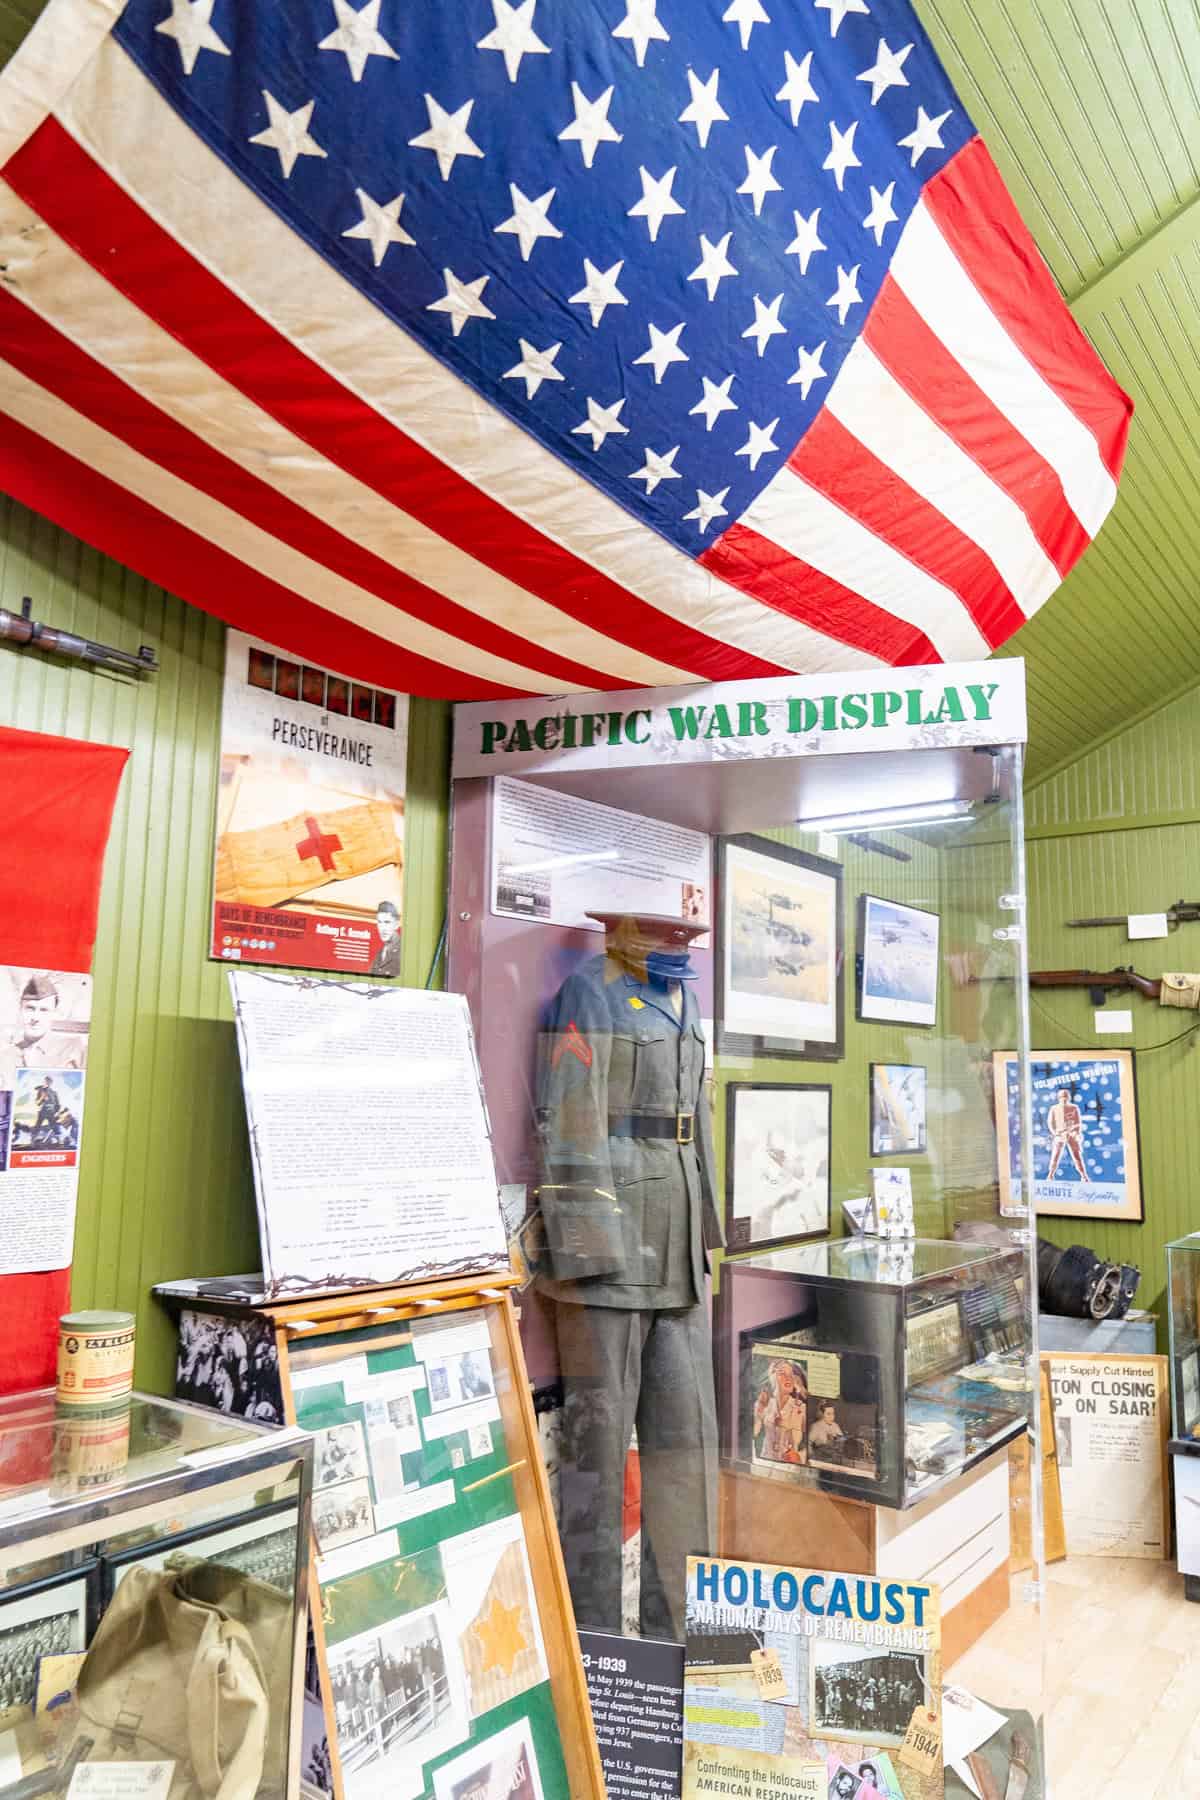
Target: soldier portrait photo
x=44 y=1021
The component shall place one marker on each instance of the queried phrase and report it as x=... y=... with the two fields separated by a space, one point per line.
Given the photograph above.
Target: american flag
x=521 y=345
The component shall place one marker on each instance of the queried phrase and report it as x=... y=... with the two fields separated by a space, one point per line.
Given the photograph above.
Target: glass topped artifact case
x=1183 y=1285
x=738 y=958
x=874 y=1369
x=153 y=1561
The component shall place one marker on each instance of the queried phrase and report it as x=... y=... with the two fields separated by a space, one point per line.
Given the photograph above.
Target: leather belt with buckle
x=679 y=1127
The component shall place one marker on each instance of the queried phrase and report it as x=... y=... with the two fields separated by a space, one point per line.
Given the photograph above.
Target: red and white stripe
x=188 y=386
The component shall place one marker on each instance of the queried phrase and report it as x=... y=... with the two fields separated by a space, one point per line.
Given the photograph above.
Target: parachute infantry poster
x=800 y=1683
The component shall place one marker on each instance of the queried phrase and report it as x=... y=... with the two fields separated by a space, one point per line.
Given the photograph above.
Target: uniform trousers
x=622 y=1367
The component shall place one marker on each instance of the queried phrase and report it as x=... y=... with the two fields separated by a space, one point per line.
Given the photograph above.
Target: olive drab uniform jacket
x=628 y=1193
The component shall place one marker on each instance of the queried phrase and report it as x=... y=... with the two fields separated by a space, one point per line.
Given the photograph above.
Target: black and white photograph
x=865 y=1693
x=49 y=1619
x=779 y=951
x=229 y=1364
x=898 y=1109
x=897 y=962
x=341 y=1455
x=845 y=1783
x=395 y=1690
x=459 y=1379
x=843 y=1435
x=261 y=1545
x=934 y=1341
x=777 y=1162
x=393 y=1432
x=341 y=1514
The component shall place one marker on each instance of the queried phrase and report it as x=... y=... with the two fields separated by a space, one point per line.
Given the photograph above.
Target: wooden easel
x=300 y=1326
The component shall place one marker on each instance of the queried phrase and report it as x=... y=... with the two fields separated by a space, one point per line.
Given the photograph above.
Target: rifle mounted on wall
x=1183 y=912
x=1168 y=990
x=21 y=628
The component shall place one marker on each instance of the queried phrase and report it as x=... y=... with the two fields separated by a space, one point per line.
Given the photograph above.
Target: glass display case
x=743 y=960
x=877 y=1370
x=153 y=1560
x=1183 y=1322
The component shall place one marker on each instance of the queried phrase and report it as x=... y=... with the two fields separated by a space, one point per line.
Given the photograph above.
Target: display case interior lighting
x=926 y=812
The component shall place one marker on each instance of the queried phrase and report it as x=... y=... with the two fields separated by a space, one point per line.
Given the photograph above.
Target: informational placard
x=1110 y=1433
x=45 y=1017
x=372 y=1157
x=308 y=865
x=635 y=1686
x=556 y=858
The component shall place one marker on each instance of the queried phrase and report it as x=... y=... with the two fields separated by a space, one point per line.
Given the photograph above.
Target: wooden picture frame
x=780 y=951
x=1080 y=1173
x=763 y=1180
x=897 y=962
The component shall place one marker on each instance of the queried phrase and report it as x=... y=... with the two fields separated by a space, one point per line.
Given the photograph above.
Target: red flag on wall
x=58 y=803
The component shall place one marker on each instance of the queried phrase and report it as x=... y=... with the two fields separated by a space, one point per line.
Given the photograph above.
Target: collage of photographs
x=428 y=1627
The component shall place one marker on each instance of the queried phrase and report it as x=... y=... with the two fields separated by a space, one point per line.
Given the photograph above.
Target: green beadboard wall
x=1118 y=831
x=165 y=1188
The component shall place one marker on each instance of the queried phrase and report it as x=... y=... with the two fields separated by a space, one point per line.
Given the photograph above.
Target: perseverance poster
x=308 y=868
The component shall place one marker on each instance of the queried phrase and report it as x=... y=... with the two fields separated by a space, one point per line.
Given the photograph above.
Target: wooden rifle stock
x=1098 y=983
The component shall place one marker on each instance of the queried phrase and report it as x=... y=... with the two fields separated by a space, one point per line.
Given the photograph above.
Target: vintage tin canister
x=95 y=1358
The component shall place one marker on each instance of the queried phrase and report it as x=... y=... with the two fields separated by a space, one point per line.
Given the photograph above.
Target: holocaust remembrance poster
x=369 y=1139
x=803 y=1683
x=308 y=870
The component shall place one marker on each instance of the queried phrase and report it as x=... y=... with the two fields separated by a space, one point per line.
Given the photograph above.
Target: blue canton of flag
x=649 y=231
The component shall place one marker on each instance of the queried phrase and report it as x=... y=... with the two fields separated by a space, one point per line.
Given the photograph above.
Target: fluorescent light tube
x=926 y=812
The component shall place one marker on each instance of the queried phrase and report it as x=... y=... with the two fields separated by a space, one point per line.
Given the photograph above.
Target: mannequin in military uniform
x=629 y=1206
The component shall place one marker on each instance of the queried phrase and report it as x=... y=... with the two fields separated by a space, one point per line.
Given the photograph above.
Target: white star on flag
x=380 y=225
x=841 y=152
x=766 y=323
x=714 y=264
x=759 y=180
x=837 y=10
x=708 y=507
x=714 y=401
x=809 y=368
x=925 y=135
x=760 y=443
x=513 y=35
x=887 y=71
x=745 y=14
x=190 y=25
x=882 y=213
x=664 y=350
x=461 y=300
x=703 y=110
x=658 y=468
x=591 y=125
x=447 y=136
x=534 y=367
x=599 y=289
x=288 y=133
x=656 y=202
x=642 y=26
x=798 y=89
x=357 y=36
x=846 y=294
x=806 y=241
x=600 y=422
x=530 y=219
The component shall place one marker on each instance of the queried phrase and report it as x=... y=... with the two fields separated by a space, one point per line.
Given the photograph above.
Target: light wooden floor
x=1122 y=1678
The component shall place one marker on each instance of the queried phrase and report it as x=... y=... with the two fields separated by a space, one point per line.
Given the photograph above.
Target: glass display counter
x=153 y=1561
x=1183 y=1326
x=878 y=1370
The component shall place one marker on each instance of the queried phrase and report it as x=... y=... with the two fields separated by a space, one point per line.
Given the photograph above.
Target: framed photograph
x=897 y=962
x=780 y=950
x=777 y=1162
x=43 y=1618
x=1086 y=1155
x=261 y=1543
x=898 y=1109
